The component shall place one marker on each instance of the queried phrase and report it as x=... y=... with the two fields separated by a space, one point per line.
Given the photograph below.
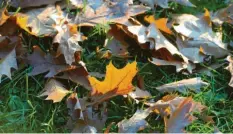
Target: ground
x=21 y=110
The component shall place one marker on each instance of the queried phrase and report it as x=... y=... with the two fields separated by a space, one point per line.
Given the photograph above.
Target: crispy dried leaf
x=42 y=63
x=135 y=123
x=31 y=3
x=8 y=55
x=54 y=90
x=39 y=21
x=180 y=118
x=3 y=16
x=75 y=107
x=230 y=69
x=161 y=23
x=139 y=94
x=223 y=15
x=199 y=29
x=182 y=86
x=68 y=38
x=164 y=3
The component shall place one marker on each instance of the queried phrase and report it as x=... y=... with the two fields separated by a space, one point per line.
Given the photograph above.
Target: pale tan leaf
x=68 y=38
x=139 y=94
x=38 y=21
x=164 y=3
x=180 y=118
x=182 y=86
x=135 y=123
x=179 y=65
x=31 y=3
x=230 y=69
x=42 y=63
x=54 y=90
x=223 y=15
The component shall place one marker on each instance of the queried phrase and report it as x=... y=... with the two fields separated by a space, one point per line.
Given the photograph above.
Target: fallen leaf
x=78 y=75
x=31 y=3
x=164 y=3
x=42 y=63
x=38 y=22
x=116 y=82
x=54 y=90
x=179 y=65
x=8 y=55
x=223 y=15
x=75 y=107
x=110 y=11
x=135 y=123
x=160 y=23
x=68 y=38
x=230 y=69
x=180 y=118
x=94 y=120
x=199 y=31
x=182 y=86
x=139 y=94
x=3 y=16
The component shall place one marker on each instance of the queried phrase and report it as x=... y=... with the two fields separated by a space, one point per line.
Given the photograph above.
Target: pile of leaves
x=131 y=34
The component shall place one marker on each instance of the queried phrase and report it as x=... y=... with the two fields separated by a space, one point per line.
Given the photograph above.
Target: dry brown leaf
x=3 y=16
x=182 y=86
x=169 y=103
x=116 y=82
x=199 y=29
x=68 y=38
x=31 y=3
x=8 y=55
x=78 y=75
x=94 y=120
x=42 y=63
x=39 y=21
x=54 y=90
x=230 y=69
x=160 y=23
x=179 y=65
x=164 y=3
x=116 y=48
x=135 y=123
x=139 y=94
x=180 y=118
x=110 y=11
x=223 y=15
x=75 y=107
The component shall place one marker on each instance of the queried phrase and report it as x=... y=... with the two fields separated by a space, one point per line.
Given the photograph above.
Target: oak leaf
x=54 y=90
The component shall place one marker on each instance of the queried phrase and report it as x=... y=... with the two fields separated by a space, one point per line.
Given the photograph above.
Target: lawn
x=21 y=110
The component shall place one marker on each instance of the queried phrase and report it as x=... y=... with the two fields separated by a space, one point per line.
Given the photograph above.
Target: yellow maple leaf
x=117 y=80
x=22 y=23
x=161 y=23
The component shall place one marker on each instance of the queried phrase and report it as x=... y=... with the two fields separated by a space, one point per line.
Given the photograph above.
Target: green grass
x=22 y=111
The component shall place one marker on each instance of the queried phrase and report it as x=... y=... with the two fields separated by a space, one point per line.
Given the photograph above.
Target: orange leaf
x=3 y=16
x=116 y=79
x=160 y=23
